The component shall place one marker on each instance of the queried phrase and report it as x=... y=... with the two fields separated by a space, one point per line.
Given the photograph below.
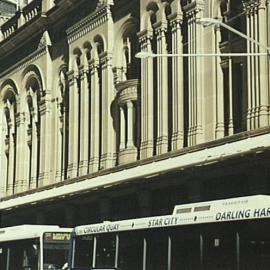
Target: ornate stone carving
x=127 y=91
x=45 y=40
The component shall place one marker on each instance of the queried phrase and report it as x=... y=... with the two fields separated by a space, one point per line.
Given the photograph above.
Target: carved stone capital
x=127 y=91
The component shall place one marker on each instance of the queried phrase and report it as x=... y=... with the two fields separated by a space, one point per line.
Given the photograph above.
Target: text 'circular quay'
x=116 y=110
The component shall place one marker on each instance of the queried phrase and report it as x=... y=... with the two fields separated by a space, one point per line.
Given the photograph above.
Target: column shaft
x=230 y=124
x=11 y=162
x=84 y=132
x=262 y=29
x=162 y=92
x=95 y=118
x=122 y=129
x=219 y=89
x=22 y=155
x=107 y=132
x=45 y=140
x=177 y=87
x=147 y=111
x=73 y=127
x=130 y=124
x=34 y=156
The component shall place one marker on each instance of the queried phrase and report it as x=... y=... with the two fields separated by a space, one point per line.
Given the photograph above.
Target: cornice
x=19 y=66
x=92 y=21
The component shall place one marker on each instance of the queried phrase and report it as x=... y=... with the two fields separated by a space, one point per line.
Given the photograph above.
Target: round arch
x=32 y=76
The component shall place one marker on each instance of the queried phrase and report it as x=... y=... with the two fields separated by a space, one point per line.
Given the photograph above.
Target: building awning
x=250 y=145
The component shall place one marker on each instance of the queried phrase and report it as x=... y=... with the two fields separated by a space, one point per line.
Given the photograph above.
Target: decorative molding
x=22 y=64
x=127 y=91
x=86 y=25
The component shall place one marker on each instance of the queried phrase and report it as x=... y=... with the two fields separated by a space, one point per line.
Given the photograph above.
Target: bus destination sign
x=57 y=236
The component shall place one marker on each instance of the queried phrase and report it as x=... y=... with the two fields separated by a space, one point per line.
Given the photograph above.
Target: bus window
x=84 y=251
x=23 y=254
x=255 y=246
x=185 y=249
x=105 y=253
x=130 y=251
x=55 y=250
x=156 y=250
x=3 y=256
x=220 y=247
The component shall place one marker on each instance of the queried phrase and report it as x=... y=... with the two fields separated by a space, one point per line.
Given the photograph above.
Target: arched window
x=10 y=110
x=33 y=131
x=63 y=113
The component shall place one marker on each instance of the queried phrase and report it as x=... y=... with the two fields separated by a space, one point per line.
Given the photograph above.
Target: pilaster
x=22 y=155
x=73 y=126
x=108 y=95
x=45 y=139
x=95 y=118
x=162 y=89
x=147 y=97
x=195 y=76
x=219 y=88
x=3 y=156
x=177 y=84
x=84 y=126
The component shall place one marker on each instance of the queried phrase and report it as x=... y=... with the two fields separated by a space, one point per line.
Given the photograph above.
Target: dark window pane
x=220 y=247
x=130 y=251
x=157 y=250
x=185 y=249
x=84 y=251
x=105 y=256
x=255 y=246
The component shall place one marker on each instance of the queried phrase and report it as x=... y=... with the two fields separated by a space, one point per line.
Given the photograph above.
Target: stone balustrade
x=32 y=10
x=9 y=27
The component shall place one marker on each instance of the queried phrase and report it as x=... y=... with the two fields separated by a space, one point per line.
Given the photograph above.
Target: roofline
x=28 y=231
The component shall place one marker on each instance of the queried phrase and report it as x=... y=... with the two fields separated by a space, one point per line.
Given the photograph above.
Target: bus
x=229 y=234
x=34 y=247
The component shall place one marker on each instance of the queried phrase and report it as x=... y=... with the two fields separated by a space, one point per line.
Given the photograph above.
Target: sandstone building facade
x=90 y=132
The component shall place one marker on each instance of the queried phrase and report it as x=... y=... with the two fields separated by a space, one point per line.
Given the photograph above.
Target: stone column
x=73 y=126
x=65 y=142
x=84 y=127
x=122 y=129
x=45 y=140
x=59 y=130
x=249 y=76
x=3 y=156
x=147 y=111
x=11 y=152
x=199 y=84
x=22 y=155
x=162 y=89
x=130 y=125
x=220 y=129
x=95 y=118
x=34 y=151
x=263 y=32
x=257 y=71
x=177 y=85
x=107 y=131
x=230 y=124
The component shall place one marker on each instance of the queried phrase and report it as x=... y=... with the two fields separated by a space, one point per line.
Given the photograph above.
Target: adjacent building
x=89 y=132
